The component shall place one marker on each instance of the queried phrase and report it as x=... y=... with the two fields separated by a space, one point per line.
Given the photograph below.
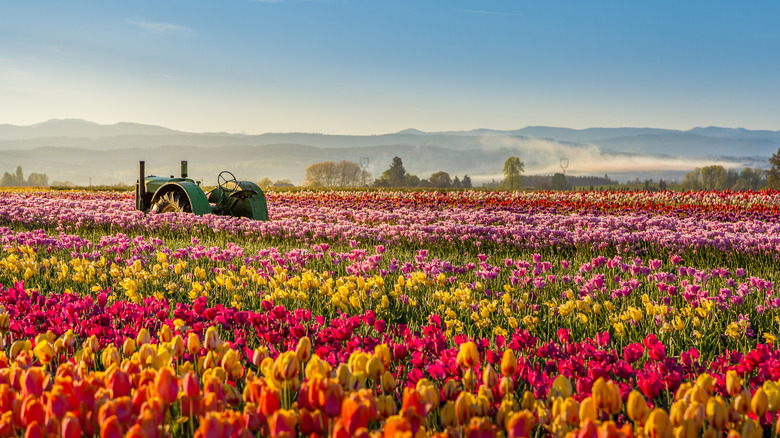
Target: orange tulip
x=71 y=427
x=166 y=386
x=396 y=426
x=637 y=407
x=32 y=381
x=268 y=403
x=355 y=413
x=282 y=423
x=286 y=366
x=480 y=427
x=111 y=428
x=312 y=422
x=119 y=384
x=330 y=398
x=32 y=410
x=520 y=424
x=210 y=426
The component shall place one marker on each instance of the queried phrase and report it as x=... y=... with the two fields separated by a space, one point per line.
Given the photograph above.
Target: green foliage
x=17 y=179
x=513 y=169
x=716 y=177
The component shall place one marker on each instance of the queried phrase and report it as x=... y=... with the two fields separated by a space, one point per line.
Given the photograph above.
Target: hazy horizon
x=364 y=68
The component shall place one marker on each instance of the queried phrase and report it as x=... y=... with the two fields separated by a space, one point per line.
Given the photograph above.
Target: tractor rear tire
x=172 y=202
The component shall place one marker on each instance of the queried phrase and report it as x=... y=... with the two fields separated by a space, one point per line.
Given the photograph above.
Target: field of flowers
x=369 y=313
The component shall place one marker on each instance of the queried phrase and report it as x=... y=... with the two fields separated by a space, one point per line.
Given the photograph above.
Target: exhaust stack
x=141 y=189
x=183 y=169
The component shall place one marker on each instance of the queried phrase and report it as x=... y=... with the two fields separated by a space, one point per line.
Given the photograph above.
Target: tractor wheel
x=172 y=202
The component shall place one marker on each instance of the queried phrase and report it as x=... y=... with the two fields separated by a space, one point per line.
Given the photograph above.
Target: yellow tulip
x=733 y=383
x=468 y=356
x=637 y=407
x=375 y=368
x=193 y=344
x=686 y=429
x=303 y=350
x=759 y=404
x=509 y=363
x=128 y=347
x=561 y=387
x=588 y=410
x=658 y=424
x=44 y=351
x=741 y=402
x=717 y=413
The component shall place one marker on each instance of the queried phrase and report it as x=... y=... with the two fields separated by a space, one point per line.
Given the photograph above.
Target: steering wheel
x=224 y=178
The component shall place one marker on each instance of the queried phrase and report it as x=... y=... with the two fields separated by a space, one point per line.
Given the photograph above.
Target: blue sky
x=379 y=66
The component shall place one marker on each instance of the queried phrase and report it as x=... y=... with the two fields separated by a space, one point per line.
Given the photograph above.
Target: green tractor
x=170 y=195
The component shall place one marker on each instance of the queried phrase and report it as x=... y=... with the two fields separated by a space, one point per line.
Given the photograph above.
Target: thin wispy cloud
x=161 y=28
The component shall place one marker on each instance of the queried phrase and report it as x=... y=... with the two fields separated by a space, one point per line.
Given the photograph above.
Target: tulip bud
x=733 y=383
x=637 y=407
x=177 y=346
x=686 y=429
x=258 y=355
x=759 y=404
x=561 y=387
x=696 y=413
x=465 y=407
x=165 y=334
x=128 y=347
x=193 y=344
x=286 y=366
x=658 y=424
x=229 y=360
x=388 y=383
x=447 y=415
x=741 y=402
x=468 y=356
x=717 y=413
x=44 y=351
x=19 y=346
x=529 y=401
x=450 y=390
x=588 y=410
x=489 y=376
x=166 y=386
x=520 y=424
x=375 y=368
x=71 y=427
x=751 y=429
x=110 y=356
x=211 y=340
x=143 y=337
x=382 y=351
x=506 y=386
x=509 y=363
x=303 y=350
x=676 y=412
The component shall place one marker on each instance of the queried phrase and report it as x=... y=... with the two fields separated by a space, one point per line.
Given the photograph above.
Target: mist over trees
x=17 y=179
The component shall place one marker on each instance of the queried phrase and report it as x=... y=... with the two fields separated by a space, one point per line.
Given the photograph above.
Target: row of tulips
x=629 y=297
x=165 y=386
x=531 y=225
x=415 y=354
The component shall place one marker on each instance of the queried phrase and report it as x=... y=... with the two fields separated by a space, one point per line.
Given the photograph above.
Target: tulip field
x=384 y=314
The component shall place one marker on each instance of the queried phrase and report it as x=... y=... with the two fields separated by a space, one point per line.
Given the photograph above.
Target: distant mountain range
x=77 y=150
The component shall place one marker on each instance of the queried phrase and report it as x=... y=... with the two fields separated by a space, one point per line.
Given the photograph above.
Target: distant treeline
x=17 y=179
x=546 y=182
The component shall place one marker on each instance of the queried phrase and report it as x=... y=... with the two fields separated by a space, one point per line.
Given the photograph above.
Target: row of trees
x=716 y=177
x=341 y=174
x=397 y=176
x=17 y=179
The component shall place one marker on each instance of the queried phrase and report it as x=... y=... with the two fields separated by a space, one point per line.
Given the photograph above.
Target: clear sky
x=379 y=66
